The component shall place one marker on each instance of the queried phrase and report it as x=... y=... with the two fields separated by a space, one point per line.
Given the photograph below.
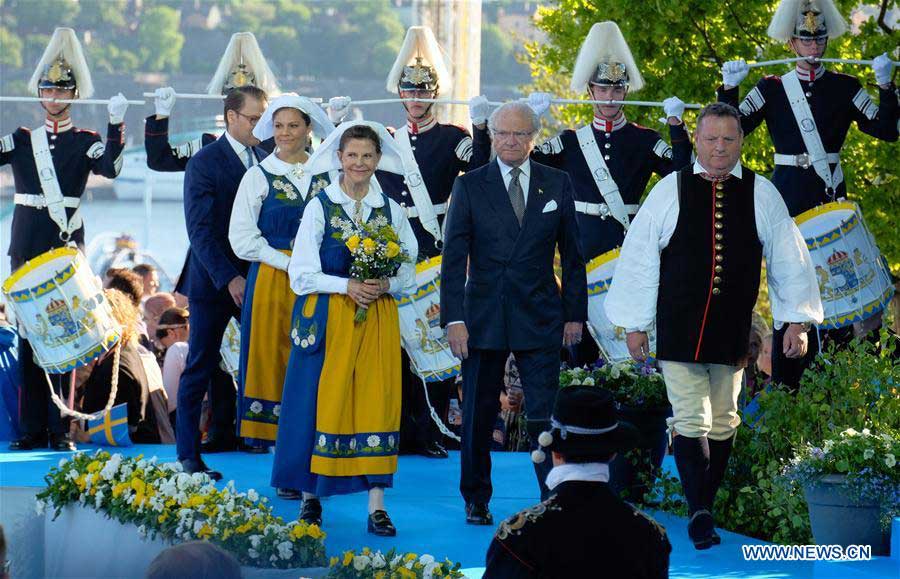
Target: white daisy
x=373 y=440
x=256 y=407
x=304 y=343
x=322 y=440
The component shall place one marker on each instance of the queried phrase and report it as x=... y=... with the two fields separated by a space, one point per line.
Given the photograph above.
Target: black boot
x=311 y=512
x=719 y=453
x=692 y=460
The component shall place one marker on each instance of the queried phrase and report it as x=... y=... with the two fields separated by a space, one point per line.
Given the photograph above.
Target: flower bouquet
x=391 y=565
x=375 y=248
x=631 y=383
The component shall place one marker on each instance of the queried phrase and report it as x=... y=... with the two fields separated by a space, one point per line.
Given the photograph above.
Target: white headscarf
x=325 y=157
x=321 y=125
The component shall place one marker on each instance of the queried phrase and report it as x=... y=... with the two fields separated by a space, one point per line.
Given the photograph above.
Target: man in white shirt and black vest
x=808 y=112
x=47 y=213
x=690 y=265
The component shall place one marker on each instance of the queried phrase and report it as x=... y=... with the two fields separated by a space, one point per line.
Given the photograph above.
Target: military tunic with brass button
x=581 y=530
x=632 y=154
x=76 y=154
x=836 y=101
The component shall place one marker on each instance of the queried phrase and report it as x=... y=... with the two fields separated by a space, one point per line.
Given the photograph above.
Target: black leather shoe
x=29 y=442
x=288 y=494
x=380 y=524
x=62 y=443
x=215 y=445
x=478 y=514
x=434 y=450
x=311 y=512
x=701 y=529
x=191 y=466
x=716 y=539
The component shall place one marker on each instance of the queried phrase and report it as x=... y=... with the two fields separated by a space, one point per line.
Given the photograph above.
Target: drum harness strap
x=609 y=190
x=425 y=210
x=53 y=198
x=815 y=155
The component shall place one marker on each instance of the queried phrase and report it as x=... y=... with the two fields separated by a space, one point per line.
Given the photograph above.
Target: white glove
x=479 y=109
x=164 y=101
x=539 y=102
x=734 y=71
x=338 y=107
x=884 y=69
x=117 y=107
x=673 y=107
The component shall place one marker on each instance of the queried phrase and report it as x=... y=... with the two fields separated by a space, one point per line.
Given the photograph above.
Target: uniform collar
x=810 y=75
x=416 y=128
x=276 y=166
x=58 y=126
x=373 y=198
x=586 y=472
x=608 y=126
x=735 y=172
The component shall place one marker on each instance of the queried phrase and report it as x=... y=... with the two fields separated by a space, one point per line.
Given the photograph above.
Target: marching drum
x=231 y=348
x=59 y=303
x=853 y=278
x=420 y=327
x=610 y=338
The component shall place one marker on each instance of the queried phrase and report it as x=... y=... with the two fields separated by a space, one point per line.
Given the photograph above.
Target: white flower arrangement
x=162 y=501
x=368 y=564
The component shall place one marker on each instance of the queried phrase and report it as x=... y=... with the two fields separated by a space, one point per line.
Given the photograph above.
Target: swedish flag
x=112 y=428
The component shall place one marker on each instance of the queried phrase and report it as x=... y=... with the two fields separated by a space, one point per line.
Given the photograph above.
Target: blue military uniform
x=76 y=153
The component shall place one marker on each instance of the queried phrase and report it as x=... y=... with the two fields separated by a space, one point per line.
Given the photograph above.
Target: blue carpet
x=426 y=508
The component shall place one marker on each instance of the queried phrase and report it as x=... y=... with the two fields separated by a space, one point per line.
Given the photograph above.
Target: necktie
x=248 y=157
x=516 y=195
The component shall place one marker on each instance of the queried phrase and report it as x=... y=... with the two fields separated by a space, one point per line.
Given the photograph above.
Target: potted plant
x=640 y=394
x=852 y=487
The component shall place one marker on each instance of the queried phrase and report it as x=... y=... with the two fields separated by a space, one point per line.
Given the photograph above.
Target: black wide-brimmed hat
x=583 y=422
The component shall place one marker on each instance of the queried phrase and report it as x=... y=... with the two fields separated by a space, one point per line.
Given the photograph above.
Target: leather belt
x=39 y=202
x=803 y=160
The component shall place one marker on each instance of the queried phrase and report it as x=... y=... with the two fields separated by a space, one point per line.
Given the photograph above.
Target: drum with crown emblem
x=60 y=305
x=610 y=338
x=853 y=278
x=420 y=326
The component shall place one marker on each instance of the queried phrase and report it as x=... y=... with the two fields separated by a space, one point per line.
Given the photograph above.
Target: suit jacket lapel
x=535 y=197
x=498 y=196
x=235 y=164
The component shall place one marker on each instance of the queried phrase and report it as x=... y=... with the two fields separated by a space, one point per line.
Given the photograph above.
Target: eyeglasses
x=806 y=41
x=253 y=120
x=517 y=135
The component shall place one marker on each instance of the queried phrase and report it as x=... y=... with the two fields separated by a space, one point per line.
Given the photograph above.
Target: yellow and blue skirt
x=340 y=422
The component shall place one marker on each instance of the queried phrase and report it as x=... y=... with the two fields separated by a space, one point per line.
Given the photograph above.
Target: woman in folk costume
x=343 y=437
x=267 y=210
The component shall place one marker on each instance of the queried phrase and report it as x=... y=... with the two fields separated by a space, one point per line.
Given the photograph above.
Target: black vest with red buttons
x=709 y=272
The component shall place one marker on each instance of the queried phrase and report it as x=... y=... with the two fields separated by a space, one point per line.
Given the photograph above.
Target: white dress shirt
x=243 y=232
x=241 y=151
x=524 y=176
x=305 y=269
x=793 y=288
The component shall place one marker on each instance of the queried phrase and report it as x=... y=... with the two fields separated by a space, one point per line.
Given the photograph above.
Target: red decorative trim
x=515 y=556
x=712 y=272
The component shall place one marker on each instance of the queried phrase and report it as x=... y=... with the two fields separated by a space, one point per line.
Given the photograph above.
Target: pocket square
x=550 y=206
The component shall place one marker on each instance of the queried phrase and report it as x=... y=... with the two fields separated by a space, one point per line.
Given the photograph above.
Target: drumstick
x=611 y=102
x=835 y=60
x=14 y=99
x=773 y=62
x=853 y=61
x=411 y=100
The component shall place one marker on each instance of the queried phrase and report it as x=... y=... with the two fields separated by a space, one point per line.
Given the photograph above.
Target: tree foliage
x=680 y=48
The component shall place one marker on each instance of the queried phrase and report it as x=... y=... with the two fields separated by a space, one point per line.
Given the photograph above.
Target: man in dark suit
x=215 y=288
x=504 y=224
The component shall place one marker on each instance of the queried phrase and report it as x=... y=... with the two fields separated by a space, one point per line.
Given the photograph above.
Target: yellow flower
x=393 y=250
x=380 y=575
x=353 y=243
x=138 y=485
x=298 y=532
x=410 y=557
x=315 y=532
x=348 y=558
x=226 y=533
x=368 y=245
x=119 y=489
x=205 y=531
x=94 y=466
x=244 y=528
x=332 y=562
x=196 y=500
x=162 y=518
x=366 y=551
x=81 y=483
